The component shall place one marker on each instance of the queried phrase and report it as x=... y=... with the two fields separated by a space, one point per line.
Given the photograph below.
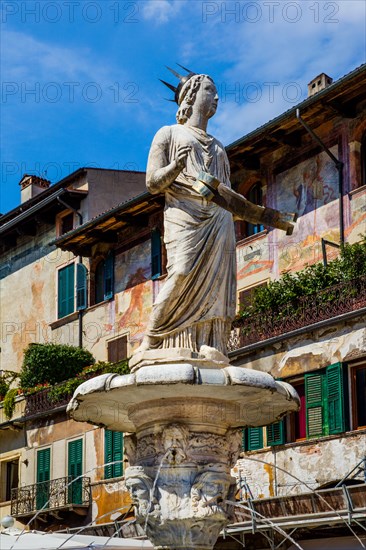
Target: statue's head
x=193 y=92
x=200 y=93
x=140 y=487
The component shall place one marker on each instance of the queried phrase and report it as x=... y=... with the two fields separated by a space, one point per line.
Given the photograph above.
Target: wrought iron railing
x=308 y=310
x=47 y=399
x=50 y=495
x=41 y=401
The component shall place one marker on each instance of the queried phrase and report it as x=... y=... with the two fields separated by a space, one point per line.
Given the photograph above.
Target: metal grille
x=308 y=310
x=50 y=495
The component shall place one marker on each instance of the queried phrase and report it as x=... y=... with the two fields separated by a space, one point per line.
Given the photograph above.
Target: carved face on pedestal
x=139 y=486
x=209 y=492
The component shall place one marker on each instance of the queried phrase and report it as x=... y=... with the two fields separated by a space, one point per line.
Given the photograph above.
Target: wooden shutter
x=117 y=349
x=254 y=438
x=335 y=398
x=75 y=469
x=276 y=433
x=81 y=286
x=117 y=453
x=315 y=405
x=43 y=465
x=43 y=476
x=108 y=454
x=155 y=253
x=109 y=276
x=65 y=291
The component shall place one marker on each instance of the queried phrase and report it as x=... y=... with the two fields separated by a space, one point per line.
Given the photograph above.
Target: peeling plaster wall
x=310 y=351
x=29 y=298
x=302 y=467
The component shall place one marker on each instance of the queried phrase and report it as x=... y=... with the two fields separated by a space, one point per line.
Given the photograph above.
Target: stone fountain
x=183 y=404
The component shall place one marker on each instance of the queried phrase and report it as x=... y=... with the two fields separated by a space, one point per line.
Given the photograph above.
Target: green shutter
x=75 y=469
x=315 y=405
x=108 y=454
x=244 y=439
x=254 y=438
x=113 y=451
x=336 y=417
x=276 y=433
x=81 y=286
x=66 y=290
x=109 y=276
x=155 y=254
x=43 y=477
x=118 y=453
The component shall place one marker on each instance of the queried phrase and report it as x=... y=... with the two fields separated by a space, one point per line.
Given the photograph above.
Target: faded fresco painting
x=310 y=189
x=358 y=216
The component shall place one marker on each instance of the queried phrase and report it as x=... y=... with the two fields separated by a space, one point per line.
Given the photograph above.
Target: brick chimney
x=319 y=83
x=31 y=186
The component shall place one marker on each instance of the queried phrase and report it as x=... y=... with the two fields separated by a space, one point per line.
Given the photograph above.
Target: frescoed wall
x=310 y=189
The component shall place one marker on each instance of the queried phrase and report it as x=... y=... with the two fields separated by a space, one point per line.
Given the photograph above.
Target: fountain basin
x=240 y=397
x=185 y=420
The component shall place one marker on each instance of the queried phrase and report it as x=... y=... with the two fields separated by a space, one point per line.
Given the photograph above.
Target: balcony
x=51 y=496
x=330 y=303
x=332 y=507
x=41 y=402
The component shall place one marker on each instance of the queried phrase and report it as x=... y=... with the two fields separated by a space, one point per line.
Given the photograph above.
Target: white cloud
x=161 y=11
x=27 y=59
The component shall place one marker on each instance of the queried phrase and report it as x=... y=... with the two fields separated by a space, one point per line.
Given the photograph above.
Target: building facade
x=305 y=473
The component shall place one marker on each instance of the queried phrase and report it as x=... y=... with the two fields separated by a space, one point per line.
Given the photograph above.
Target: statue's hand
x=181 y=157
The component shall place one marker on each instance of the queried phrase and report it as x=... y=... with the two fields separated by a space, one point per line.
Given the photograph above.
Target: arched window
x=104 y=279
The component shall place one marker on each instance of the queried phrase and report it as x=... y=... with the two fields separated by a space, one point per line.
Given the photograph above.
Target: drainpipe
x=338 y=164
x=80 y=260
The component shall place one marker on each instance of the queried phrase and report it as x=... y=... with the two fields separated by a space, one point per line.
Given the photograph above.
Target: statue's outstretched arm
x=160 y=172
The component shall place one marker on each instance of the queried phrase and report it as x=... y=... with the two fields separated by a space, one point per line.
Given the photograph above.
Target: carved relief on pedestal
x=176 y=492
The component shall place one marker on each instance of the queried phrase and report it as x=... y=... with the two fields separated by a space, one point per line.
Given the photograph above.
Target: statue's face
x=139 y=492
x=207 y=98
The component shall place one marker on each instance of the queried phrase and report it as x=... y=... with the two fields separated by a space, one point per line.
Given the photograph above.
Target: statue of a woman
x=196 y=305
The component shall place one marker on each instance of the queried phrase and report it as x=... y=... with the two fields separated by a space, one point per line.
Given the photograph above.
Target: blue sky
x=80 y=78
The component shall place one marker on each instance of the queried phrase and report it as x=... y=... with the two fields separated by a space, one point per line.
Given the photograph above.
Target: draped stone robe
x=197 y=302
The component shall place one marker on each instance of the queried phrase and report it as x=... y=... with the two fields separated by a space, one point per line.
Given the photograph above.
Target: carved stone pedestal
x=185 y=420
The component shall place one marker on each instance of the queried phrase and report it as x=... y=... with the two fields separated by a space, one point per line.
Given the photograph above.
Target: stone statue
x=196 y=305
x=183 y=403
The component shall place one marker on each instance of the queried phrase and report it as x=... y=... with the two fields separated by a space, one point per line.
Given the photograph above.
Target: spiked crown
x=182 y=80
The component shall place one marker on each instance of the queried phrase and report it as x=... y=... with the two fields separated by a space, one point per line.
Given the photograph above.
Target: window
x=252 y=439
x=81 y=286
x=9 y=478
x=75 y=469
x=64 y=222
x=276 y=433
x=363 y=159
x=324 y=395
x=43 y=478
x=246 y=296
x=104 y=279
x=66 y=290
x=299 y=418
x=245 y=229
x=358 y=387
x=117 y=349
x=113 y=452
x=156 y=254
x=255 y=195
